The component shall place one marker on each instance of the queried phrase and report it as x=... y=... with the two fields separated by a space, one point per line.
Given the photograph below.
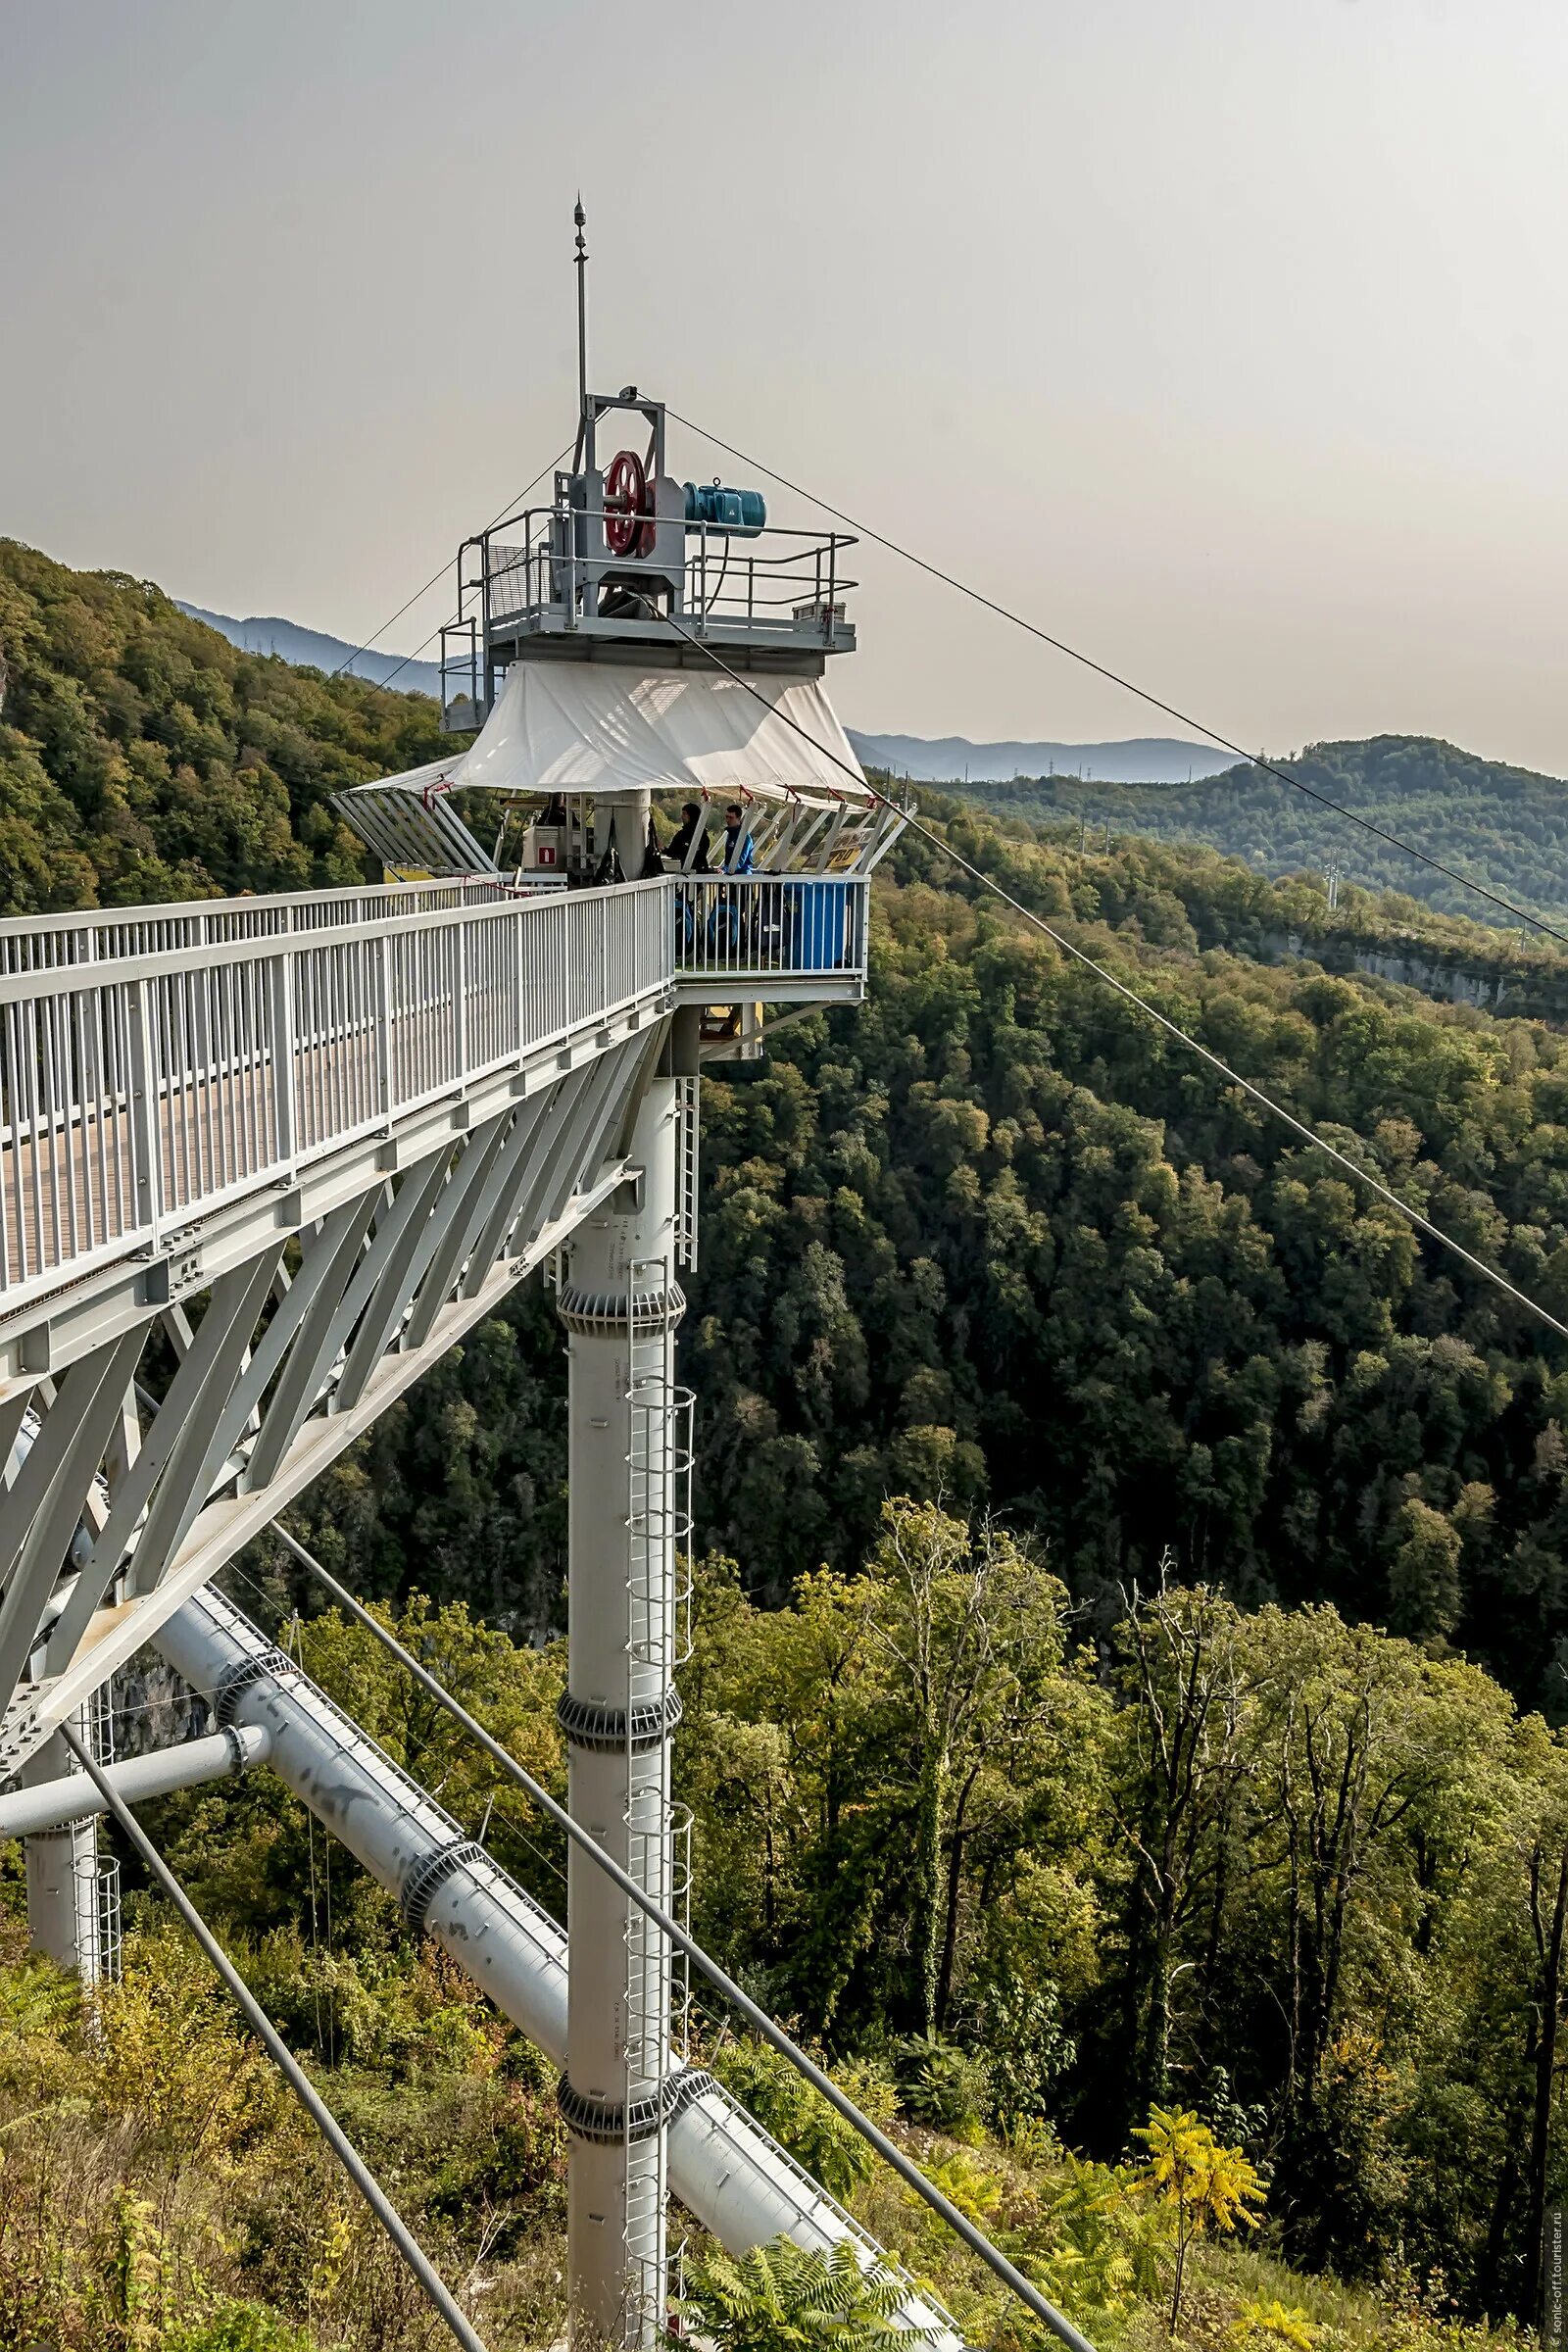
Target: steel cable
x=1130 y=686
x=1375 y=1184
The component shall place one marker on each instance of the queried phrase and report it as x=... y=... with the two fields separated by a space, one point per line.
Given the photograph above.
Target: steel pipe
x=740 y=2185
x=54 y=1803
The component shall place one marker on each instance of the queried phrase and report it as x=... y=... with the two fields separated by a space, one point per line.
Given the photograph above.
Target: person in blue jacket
x=732 y=916
x=740 y=855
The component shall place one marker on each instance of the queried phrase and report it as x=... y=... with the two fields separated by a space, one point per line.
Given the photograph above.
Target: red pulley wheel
x=627 y=505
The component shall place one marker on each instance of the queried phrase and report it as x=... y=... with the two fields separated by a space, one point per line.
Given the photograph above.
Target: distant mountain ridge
x=1505 y=826
x=954 y=759
x=945 y=759
x=314 y=648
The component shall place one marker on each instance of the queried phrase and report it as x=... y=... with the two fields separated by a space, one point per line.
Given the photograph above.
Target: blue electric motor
x=741 y=513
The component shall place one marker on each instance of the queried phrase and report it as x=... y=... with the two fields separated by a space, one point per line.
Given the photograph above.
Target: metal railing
x=144 y=1085
x=32 y=943
x=766 y=927
x=774 y=580
x=157 y=1063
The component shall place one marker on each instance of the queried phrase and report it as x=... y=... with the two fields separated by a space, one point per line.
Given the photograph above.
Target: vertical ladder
x=686 y=1116
x=657 y=1832
x=97 y=1875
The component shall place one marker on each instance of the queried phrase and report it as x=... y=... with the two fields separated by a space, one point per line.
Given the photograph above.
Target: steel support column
x=619 y=1304
x=64 y=1918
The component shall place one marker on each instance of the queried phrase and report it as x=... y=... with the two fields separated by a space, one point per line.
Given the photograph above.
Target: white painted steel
x=157 y=1066
x=620 y=1592
x=724 y=2168
x=60 y=1799
x=141 y=1094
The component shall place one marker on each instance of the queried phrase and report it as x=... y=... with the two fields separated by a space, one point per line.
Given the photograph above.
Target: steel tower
x=343 y=1126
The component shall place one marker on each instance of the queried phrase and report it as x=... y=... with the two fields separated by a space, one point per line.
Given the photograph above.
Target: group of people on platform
x=737 y=857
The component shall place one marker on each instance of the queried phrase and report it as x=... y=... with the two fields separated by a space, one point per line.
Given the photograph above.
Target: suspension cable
x=1375 y=1184
x=1130 y=686
x=283 y=2057
x=438 y=575
x=758 y=2018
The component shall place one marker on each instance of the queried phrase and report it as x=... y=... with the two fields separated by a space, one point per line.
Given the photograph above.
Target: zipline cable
x=1079 y=955
x=432 y=581
x=1129 y=685
x=283 y=2057
x=758 y=2018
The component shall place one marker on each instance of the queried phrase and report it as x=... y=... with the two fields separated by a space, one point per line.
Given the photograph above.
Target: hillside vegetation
x=1166 y=1743
x=1505 y=826
x=142 y=758
x=1266 y=1884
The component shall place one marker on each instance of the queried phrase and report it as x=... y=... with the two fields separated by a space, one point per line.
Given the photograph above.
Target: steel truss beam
x=126 y=1502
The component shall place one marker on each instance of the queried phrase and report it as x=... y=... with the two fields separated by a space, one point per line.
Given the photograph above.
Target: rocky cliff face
x=1529 y=988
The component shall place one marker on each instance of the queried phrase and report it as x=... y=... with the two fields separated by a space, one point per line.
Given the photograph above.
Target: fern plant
x=787 y=2298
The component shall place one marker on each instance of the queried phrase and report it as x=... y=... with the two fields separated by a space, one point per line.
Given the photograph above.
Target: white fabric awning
x=594 y=727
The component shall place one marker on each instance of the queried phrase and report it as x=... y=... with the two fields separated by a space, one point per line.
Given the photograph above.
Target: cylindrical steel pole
x=38 y=1807
x=62 y=1864
x=739 y=2183
x=620 y=1304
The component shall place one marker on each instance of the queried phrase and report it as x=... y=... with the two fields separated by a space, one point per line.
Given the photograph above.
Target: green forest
x=1125 y=1731
x=1505 y=826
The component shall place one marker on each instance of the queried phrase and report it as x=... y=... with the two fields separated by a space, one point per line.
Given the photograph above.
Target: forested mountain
x=143 y=757
x=1505 y=826
x=992 y=1235
x=1131 y=1556
x=270 y=633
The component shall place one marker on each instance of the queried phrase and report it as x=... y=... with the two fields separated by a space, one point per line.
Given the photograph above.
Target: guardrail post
x=283 y=1048
x=383 y=1027
x=462 y=1007
x=146 y=1125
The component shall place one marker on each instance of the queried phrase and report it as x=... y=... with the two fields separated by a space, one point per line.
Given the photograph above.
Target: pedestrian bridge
x=308 y=1141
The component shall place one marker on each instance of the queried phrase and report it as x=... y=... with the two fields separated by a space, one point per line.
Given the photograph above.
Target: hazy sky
x=1226 y=337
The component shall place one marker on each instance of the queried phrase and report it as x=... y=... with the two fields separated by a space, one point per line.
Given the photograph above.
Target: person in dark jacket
x=678 y=848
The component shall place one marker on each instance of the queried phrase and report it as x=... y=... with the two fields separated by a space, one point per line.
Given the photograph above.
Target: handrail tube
x=78 y=979
x=171 y=912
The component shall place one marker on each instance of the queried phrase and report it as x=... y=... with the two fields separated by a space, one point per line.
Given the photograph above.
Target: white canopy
x=597 y=728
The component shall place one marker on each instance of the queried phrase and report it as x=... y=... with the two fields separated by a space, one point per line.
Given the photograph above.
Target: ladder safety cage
x=99 y=1933
x=658 y=1981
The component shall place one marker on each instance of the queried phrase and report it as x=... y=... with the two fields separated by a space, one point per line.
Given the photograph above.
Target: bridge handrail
x=138 y=1094
x=106 y=934
x=141 y=1090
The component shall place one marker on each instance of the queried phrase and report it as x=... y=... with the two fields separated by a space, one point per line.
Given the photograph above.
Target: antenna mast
x=581 y=265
